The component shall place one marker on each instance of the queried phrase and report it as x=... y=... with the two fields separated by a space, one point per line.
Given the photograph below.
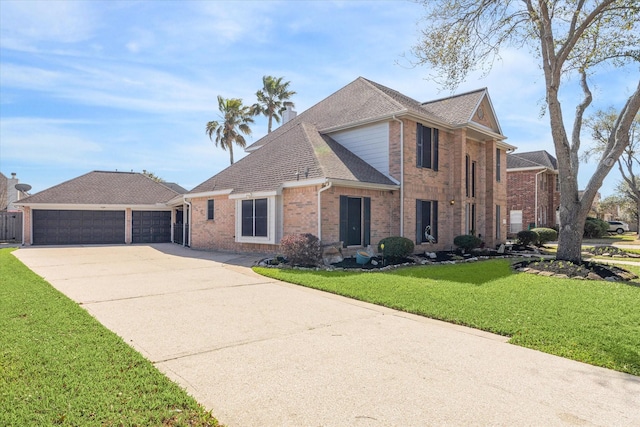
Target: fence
x=10 y=226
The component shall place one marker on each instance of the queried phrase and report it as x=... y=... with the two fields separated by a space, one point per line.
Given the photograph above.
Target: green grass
x=59 y=366
x=596 y=322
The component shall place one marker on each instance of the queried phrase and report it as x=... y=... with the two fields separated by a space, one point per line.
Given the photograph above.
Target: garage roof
x=106 y=188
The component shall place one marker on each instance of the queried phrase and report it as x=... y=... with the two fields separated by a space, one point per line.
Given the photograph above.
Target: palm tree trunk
x=231 y=153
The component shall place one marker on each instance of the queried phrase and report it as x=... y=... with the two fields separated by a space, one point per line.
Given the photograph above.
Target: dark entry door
x=151 y=227
x=354 y=221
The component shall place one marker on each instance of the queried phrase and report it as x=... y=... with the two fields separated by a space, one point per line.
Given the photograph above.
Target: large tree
x=235 y=122
x=601 y=124
x=572 y=39
x=273 y=99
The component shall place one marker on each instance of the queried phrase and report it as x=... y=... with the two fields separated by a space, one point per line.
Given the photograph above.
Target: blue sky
x=130 y=85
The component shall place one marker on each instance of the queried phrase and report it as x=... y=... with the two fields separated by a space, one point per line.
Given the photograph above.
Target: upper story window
x=427 y=147
x=473 y=179
x=467 y=174
x=498 y=168
x=210 y=209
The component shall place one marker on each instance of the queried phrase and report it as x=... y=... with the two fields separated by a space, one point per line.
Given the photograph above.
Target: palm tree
x=273 y=99
x=236 y=122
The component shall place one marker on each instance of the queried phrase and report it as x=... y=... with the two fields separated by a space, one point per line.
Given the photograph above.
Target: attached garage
x=101 y=208
x=151 y=227
x=74 y=227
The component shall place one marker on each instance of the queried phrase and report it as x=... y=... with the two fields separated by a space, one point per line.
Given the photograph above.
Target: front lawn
x=596 y=322
x=59 y=366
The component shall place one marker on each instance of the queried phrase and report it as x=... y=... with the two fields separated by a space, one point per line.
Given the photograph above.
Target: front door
x=354 y=221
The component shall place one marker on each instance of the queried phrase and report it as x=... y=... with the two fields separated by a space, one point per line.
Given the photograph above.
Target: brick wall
x=522 y=196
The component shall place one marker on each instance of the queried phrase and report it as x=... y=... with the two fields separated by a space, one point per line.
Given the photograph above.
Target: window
x=470 y=218
x=497 y=164
x=498 y=222
x=473 y=179
x=467 y=173
x=426 y=221
x=355 y=221
x=209 y=209
x=427 y=147
x=558 y=183
x=254 y=218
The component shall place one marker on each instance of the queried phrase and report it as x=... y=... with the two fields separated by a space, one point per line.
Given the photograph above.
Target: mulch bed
x=566 y=269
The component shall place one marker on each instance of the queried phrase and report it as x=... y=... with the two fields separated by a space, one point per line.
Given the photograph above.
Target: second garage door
x=66 y=227
x=151 y=227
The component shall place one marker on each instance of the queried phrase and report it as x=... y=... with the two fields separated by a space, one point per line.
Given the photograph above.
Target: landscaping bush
x=301 y=249
x=545 y=235
x=466 y=242
x=595 y=228
x=396 y=247
x=527 y=237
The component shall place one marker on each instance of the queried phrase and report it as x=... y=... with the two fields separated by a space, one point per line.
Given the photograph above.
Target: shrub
x=301 y=249
x=595 y=228
x=467 y=242
x=396 y=247
x=527 y=237
x=545 y=235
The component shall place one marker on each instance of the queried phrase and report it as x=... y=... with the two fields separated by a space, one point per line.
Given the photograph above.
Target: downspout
x=535 y=214
x=319 y=210
x=184 y=225
x=401 y=174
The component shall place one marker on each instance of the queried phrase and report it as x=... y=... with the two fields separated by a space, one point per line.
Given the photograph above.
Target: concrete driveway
x=259 y=352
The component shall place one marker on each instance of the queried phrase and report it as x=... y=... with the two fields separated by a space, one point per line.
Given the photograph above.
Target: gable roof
x=457 y=109
x=300 y=153
x=532 y=159
x=105 y=188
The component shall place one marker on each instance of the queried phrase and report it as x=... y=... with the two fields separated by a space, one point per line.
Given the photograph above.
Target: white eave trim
x=303 y=183
x=532 y=168
x=208 y=194
x=366 y=185
x=255 y=194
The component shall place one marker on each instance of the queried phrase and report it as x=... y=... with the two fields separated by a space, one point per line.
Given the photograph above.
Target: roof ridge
x=377 y=86
x=484 y=89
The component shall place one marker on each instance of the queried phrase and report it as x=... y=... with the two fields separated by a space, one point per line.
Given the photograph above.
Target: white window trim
x=271 y=222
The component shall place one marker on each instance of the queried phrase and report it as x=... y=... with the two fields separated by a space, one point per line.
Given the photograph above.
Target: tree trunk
x=638 y=217
x=231 y=152
x=572 y=219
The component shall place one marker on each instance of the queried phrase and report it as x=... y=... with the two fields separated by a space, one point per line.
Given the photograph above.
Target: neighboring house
x=10 y=216
x=9 y=194
x=533 y=190
x=365 y=163
x=102 y=208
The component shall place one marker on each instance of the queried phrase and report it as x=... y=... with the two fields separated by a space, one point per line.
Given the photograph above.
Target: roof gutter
x=328 y=184
x=401 y=174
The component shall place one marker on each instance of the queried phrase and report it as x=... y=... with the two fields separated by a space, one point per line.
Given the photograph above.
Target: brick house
x=365 y=163
x=533 y=195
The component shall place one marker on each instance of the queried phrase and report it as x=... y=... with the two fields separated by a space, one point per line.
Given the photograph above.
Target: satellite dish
x=23 y=187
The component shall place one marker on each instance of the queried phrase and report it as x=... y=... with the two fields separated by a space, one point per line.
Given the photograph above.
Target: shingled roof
x=457 y=109
x=299 y=153
x=358 y=102
x=302 y=148
x=106 y=188
x=532 y=159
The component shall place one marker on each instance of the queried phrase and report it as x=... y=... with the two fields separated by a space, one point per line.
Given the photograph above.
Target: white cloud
x=28 y=22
